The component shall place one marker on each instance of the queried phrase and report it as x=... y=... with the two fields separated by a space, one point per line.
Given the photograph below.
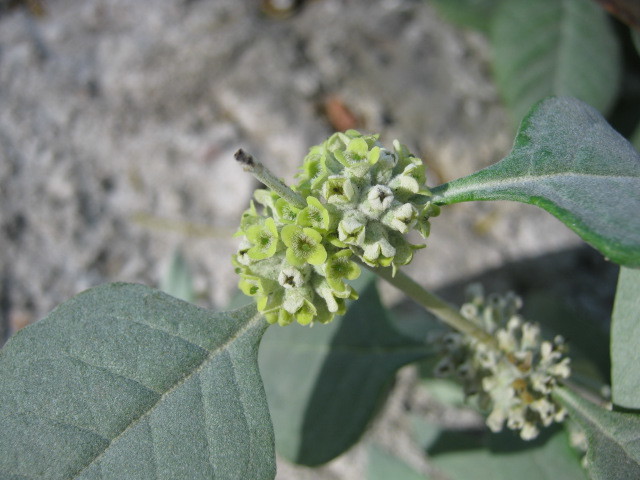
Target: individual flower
x=377 y=250
x=291 y=277
x=357 y=158
x=242 y=257
x=338 y=267
x=351 y=230
x=315 y=215
x=264 y=240
x=286 y=212
x=338 y=189
x=380 y=198
x=404 y=186
x=334 y=301
x=402 y=218
x=297 y=306
x=304 y=245
x=249 y=218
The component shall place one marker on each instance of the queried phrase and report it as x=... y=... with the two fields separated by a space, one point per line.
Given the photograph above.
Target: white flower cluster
x=514 y=381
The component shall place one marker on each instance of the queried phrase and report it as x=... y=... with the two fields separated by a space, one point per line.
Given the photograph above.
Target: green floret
x=264 y=239
x=315 y=215
x=304 y=245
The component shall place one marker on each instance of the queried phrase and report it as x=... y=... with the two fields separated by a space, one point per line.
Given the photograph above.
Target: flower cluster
x=514 y=381
x=354 y=200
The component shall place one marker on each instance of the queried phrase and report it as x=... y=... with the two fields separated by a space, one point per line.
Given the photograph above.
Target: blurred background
x=119 y=120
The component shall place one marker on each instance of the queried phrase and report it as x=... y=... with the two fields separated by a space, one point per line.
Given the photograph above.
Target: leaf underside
x=324 y=384
x=569 y=161
x=613 y=438
x=554 y=47
x=123 y=381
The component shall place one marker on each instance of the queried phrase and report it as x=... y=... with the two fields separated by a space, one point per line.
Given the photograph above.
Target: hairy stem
x=263 y=174
x=441 y=309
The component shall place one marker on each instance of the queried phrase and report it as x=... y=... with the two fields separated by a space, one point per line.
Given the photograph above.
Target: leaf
x=324 y=384
x=178 y=281
x=554 y=47
x=625 y=332
x=385 y=466
x=635 y=136
x=613 y=437
x=464 y=455
x=569 y=161
x=123 y=381
x=476 y=14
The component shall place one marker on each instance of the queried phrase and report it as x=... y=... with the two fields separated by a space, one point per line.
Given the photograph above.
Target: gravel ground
x=118 y=123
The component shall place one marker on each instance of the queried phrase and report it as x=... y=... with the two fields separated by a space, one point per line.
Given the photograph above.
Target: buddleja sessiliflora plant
x=127 y=382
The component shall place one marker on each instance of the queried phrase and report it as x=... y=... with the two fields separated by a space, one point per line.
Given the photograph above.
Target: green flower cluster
x=513 y=382
x=354 y=200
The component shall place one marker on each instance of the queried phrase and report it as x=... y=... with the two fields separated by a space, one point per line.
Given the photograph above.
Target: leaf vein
x=63 y=423
x=197 y=369
x=115 y=374
x=167 y=332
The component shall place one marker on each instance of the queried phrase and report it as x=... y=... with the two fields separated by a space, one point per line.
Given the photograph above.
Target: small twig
x=263 y=174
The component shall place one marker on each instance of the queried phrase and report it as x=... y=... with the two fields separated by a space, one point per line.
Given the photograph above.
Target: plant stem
x=263 y=174
x=440 y=308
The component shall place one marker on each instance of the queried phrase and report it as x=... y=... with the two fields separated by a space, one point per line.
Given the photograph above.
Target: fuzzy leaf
x=613 y=438
x=472 y=455
x=554 y=47
x=569 y=161
x=625 y=331
x=123 y=381
x=324 y=384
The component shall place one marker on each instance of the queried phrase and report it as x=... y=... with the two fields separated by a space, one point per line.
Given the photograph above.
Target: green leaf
x=124 y=381
x=464 y=455
x=178 y=281
x=554 y=47
x=476 y=14
x=625 y=332
x=385 y=466
x=635 y=137
x=569 y=161
x=613 y=438
x=324 y=384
